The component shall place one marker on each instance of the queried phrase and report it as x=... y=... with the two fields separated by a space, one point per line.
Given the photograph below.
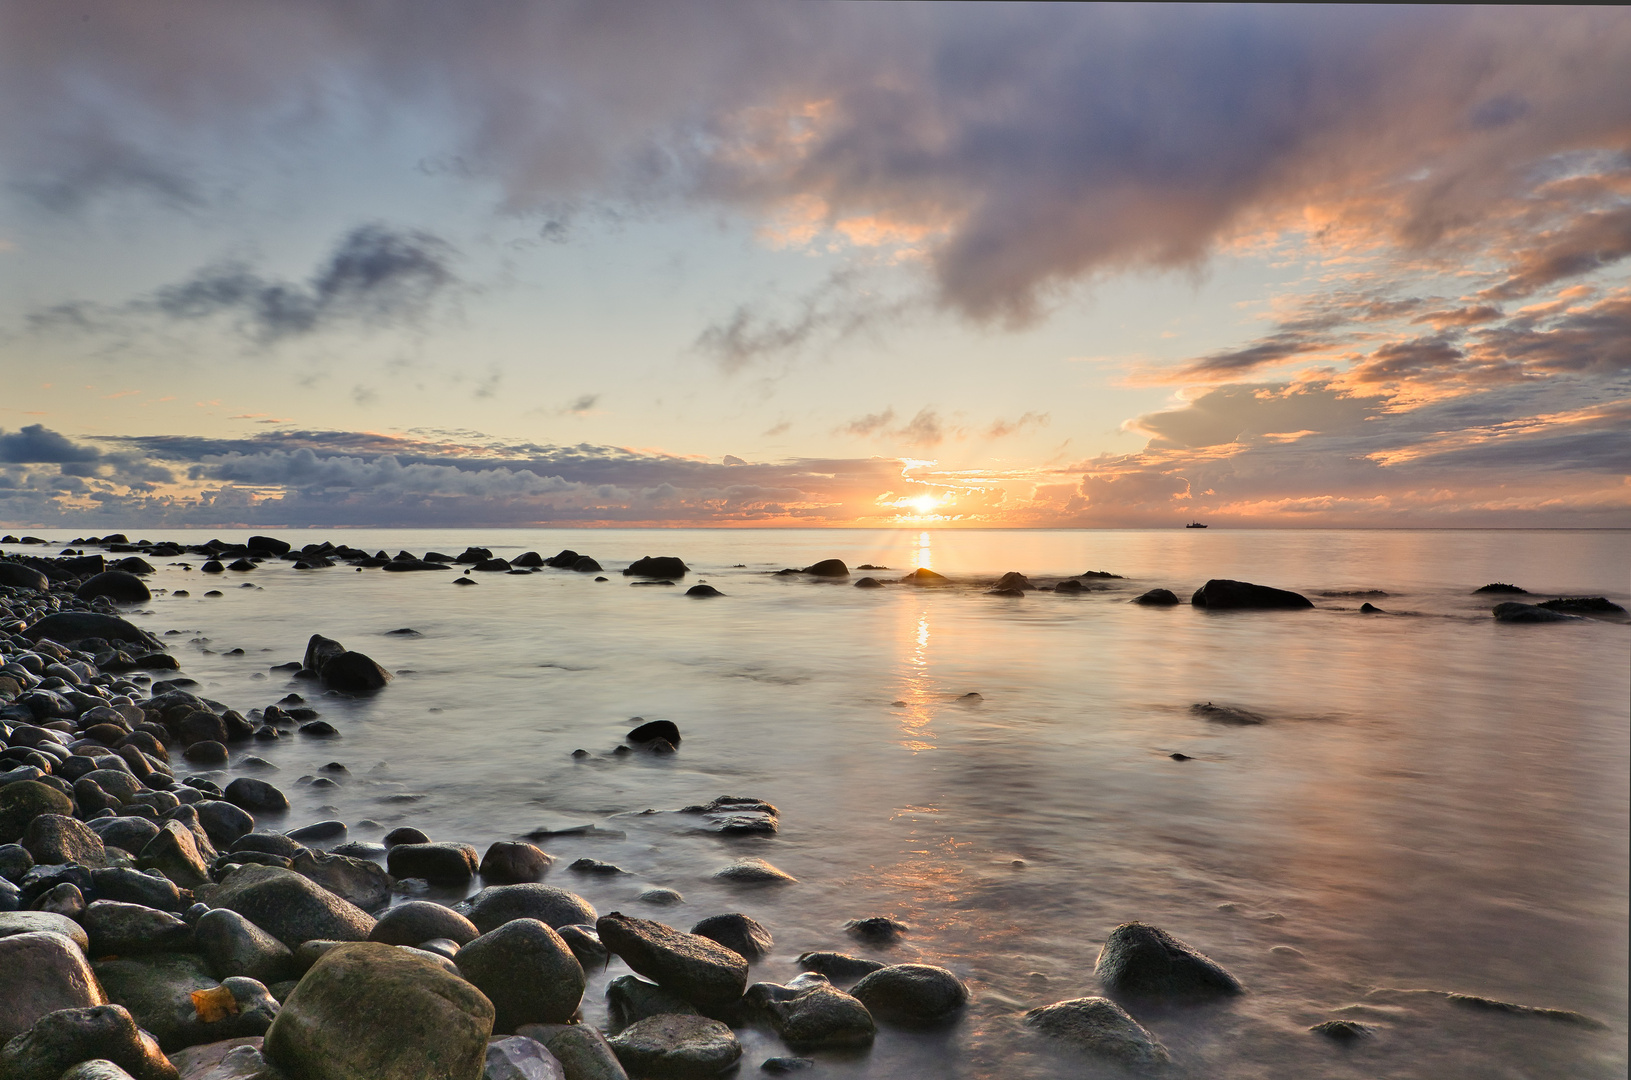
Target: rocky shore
x=153 y=924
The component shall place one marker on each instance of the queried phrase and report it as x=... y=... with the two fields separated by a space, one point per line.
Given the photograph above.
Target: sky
x=799 y=264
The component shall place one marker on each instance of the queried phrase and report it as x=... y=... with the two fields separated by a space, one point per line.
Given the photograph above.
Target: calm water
x=1437 y=801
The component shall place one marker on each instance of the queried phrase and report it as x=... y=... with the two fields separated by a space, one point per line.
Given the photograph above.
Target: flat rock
x=290 y=907
x=912 y=993
x=1141 y=961
x=1227 y=714
x=368 y=1011
x=676 y=1046
x=526 y=971
x=41 y=972
x=496 y=905
x=694 y=967
x=1100 y=1027
x=68 y=1037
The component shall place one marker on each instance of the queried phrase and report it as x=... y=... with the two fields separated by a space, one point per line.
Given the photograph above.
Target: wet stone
x=745 y=936
x=513 y=863
x=1100 y=1027
x=676 y=1046
x=101 y=1032
x=1142 y=961
x=630 y=999
x=912 y=993
x=496 y=905
x=421 y=920
x=694 y=967
x=526 y=971
x=839 y=967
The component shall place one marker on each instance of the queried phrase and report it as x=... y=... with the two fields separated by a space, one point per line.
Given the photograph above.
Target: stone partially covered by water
x=1142 y=961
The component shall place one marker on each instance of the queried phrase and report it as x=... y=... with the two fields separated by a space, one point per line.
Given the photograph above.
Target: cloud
x=870 y=424
x=374 y=276
x=833 y=312
x=38 y=444
x=1001 y=429
x=580 y=405
x=1592 y=241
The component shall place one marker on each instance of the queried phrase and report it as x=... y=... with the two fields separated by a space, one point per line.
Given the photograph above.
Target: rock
x=653 y=730
x=703 y=591
x=584 y=943
x=256 y=796
x=1141 y=961
x=661 y=566
x=833 y=568
x=271 y=843
x=117 y=585
x=1227 y=714
x=369 y=1011
x=15 y=860
x=1221 y=594
x=70 y=1036
x=496 y=905
x=692 y=966
x=912 y=993
x=595 y=866
x=420 y=920
x=65 y=899
x=811 y=1013
x=354 y=673
x=526 y=971
x=924 y=576
x=582 y=1051
x=630 y=999
x=224 y=823
x=1013 y=579
x=99 y=1069
x=1071 y=585
x=878 y=930
x=213 y=566
x=869 y=583
x=1498 y=587
x=755 y=872
x=13 y=923
x=737 y=932
x=838 y=967
x=17 y=576
x=136 y=887
x=1101 y=1027
x=1157 y=598
x=319 y=651
x=71 y=626
x=1343 y=1031
x=174 y=852
x=357 y=881
x=676 y=1046
x=1583 y=605
x=405 y=835
x=123 y=929
x=234 y=946
x=778 y=1065
x=225 y=1059
x=433 y=862
x=513 y=863
x=41 y=972
x=25 y=800
x=54 y=838
x=1370 y=609
x=207 y=752
x=174 y=997
x=520 y=1058
x=269 y=544
x=290 y=907
x=1512 y=612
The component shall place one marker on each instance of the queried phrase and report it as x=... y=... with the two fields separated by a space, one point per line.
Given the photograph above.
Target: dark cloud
x=833 y=312
x=1231 y=414
x=375 y=275
x=580 y=405
x=1275 y=349
x=1592 y=241
x=38 y=444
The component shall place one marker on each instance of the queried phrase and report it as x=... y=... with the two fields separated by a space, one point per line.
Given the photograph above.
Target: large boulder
x=676 y=1046
x=71 y=626
x=369 y=1011
x=912 y=993
x=527 y=971
x=694 y=967
x=660 y=566
x=1141 y=961
x=319 y=651
x=290 y=907
x=41 y=972
x=117 y=585
x=1100 y=1027
x=1222 y=594
x=496 y=905
x=23 y=801
x=65 y=1038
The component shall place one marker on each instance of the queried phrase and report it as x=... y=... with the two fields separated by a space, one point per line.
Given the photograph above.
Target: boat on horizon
x=1194 y=525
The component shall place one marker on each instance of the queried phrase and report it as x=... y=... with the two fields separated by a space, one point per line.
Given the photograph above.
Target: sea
x=1429 y=823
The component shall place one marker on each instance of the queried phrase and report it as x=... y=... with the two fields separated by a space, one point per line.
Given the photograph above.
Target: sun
x=924 y=504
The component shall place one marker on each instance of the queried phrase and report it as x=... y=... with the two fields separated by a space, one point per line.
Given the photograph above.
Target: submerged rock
x=1101 y=1027
x=703 y=591
x=1157 y=598
x=1227 y=714
x=832 y=568
x=924 y=576
x=1583 y=605
x=1513 y=612
x=660 y=566
x=1142 y=961
x=838 y=966
x=1499 y=587
x=1222 y=594
x=652 y=730
x=912 y=993
x=1013 y=579
x=869 y=583
x=755 y=872
x=676 y=1046
x=810 y=1013
x=631 y=999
